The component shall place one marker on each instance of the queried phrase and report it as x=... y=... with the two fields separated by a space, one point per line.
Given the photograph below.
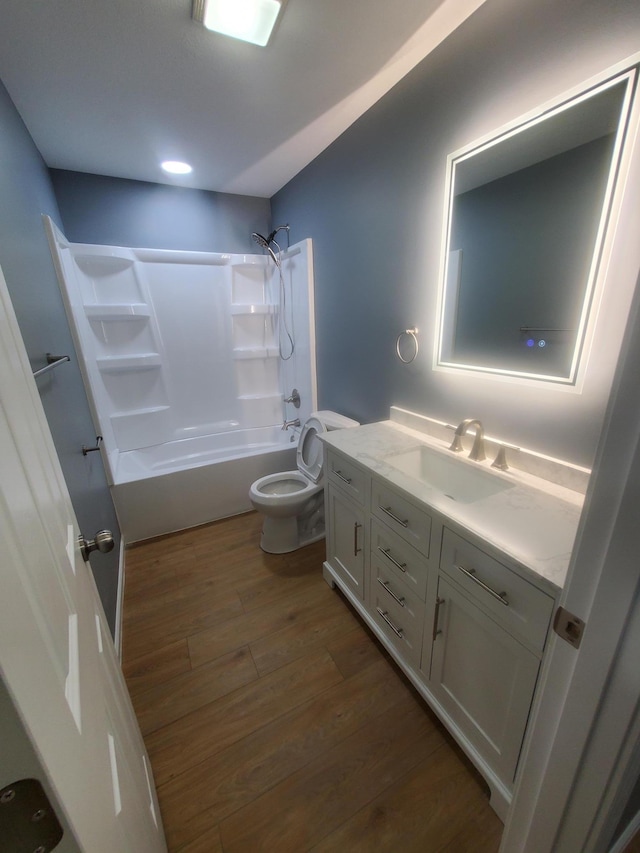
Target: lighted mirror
x=526 y=219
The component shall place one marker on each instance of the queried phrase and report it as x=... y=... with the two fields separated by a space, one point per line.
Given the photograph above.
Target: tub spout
x=293 y=423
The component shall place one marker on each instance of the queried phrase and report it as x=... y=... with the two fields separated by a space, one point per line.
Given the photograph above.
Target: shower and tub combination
x=193 y=363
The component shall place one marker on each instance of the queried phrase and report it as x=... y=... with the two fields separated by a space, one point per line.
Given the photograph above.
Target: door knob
x=102 y=541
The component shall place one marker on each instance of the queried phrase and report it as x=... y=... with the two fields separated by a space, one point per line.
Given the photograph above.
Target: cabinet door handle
x=356 y=550
x=344 y=479
x=436 y=616
x=387 y=553
x=385 y=584
x=387 y=510
x=471 y=573
x=397 y=631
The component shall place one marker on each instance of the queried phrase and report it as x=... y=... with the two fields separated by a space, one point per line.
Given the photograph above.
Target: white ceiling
x=113 y=87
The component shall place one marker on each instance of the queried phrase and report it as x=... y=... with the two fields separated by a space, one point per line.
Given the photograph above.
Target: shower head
x=264 y=242
x=260 y=240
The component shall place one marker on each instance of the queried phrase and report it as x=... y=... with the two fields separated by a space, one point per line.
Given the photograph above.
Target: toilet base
x=281 y=536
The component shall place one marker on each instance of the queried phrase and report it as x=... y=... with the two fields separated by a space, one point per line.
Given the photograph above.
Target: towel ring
x=412 y=333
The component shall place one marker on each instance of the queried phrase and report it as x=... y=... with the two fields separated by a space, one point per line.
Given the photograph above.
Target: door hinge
x=569 y=627
x=28 y=822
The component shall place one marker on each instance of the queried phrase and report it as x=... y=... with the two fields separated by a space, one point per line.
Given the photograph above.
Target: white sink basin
x=455 y=478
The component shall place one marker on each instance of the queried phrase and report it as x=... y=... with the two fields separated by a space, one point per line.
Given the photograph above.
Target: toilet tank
x=332 y=420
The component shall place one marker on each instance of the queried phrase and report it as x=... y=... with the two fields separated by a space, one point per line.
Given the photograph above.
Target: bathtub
x=180 y=484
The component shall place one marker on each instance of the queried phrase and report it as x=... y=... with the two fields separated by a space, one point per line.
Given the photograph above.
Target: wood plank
x=355 y=651
x=484 y=827
x=434 y=807
x=250 y=767
x=169 y=624
x=309 y=804
x=204 y=732
x=245 y=628
x=164 y=703
x=156 y=667
x=208 y=843
x=305 y=635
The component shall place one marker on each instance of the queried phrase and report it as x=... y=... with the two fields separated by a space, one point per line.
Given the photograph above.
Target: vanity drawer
x=394 y=555
x=518 y=605
x=349 y=477
x=398 y=612
x=407 y=520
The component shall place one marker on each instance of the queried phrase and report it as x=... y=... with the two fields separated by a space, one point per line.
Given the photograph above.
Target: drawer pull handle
x=385 y=584
x=356 y=550
x=397 y=631
x=436 y=617
x=387 y=510
x=471 y=573
x=387 y=553
x=344 y=479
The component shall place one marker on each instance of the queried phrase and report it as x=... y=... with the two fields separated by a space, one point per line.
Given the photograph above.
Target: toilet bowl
x=292 y=502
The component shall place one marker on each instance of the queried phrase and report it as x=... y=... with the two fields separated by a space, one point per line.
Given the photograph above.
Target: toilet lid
x=309 y=453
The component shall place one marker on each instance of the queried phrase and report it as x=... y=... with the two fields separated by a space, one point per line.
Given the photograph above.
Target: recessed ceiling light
x=175 y=167
x=248 y=20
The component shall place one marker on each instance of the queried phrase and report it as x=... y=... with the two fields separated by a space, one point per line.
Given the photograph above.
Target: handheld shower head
x=264 y=242
x=260 y=240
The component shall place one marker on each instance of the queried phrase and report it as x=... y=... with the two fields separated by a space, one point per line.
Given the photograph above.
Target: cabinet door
x=483 y=677
x=346 y=539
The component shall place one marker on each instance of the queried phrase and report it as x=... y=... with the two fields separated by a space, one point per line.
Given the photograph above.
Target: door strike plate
x=28 y=822
x=569 y=627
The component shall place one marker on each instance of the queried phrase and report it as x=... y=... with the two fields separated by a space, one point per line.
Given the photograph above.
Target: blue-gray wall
x=117 y=212
x=373 y=203
x=25 y=194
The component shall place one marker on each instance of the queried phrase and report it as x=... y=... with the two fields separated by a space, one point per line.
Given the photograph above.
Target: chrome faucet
x=477 y=451
x=293 y=423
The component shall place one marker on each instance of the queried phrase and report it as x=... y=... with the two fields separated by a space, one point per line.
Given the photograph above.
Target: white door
x=57 y=660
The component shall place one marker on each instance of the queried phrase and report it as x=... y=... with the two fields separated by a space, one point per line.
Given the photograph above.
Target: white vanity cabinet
x=483 y=653
x=400 y=543
x=346 y=498
x=466 y=625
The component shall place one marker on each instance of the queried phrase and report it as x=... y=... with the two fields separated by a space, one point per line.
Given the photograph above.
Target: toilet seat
x=283 y=485
x=309 y=451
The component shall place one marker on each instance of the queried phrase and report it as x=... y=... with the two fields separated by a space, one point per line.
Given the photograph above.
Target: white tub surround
x=180 y=358
x=456 y=567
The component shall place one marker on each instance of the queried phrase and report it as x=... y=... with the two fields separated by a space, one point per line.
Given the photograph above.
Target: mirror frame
x=447 y=300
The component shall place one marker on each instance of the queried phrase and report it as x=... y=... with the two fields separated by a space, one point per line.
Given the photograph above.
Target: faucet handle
x=500 y=461
x=294 y=398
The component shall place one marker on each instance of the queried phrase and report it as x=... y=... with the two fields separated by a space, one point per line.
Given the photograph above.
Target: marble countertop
x=533 y=521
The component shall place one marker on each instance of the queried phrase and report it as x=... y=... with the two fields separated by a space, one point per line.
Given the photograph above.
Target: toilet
x=292 y=502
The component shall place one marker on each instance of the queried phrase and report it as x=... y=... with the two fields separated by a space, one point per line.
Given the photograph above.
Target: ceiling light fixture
x=176 y=167
x=247 y=20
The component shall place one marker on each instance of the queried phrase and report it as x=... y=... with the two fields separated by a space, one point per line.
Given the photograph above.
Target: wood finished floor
x=273 y=718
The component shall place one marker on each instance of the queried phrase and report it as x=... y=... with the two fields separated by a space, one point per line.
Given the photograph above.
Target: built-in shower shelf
x=254 y=309
x=124 y=363
x=132 y=413
x=255 y=352
x=119 y=311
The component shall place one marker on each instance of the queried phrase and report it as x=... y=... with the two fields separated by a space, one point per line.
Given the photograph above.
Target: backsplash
x=537 y=464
